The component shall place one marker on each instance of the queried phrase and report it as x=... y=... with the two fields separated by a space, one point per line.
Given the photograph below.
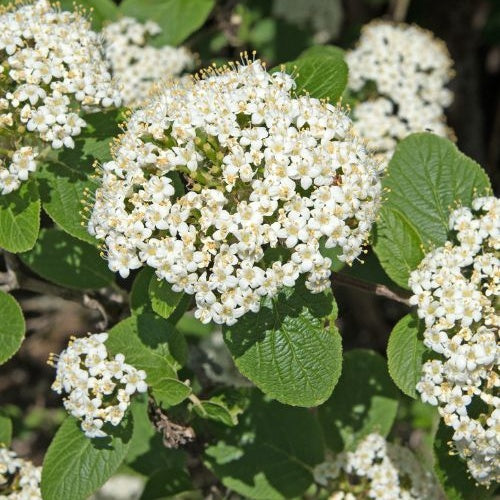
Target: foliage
x=302 y=392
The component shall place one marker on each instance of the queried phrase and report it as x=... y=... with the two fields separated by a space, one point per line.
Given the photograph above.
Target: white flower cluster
x=399 y=73
x=376 y=469
x=456 y=289
x=19 y=478
x=262 y=169
x=137 y=66
x=50 y=64
x=98 y=388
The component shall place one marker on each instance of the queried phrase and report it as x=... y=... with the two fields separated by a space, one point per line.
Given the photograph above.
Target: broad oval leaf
x=397 y=245
x=67 y=261
x=291 y=348
x=62 y=188
x=152 y=344
x=75 y=466
x=12 y=326
x=20 y=218
x=177 y=18
x=405 y=354
x=426 y=179
x=365 y=400
x=321 y=73
x=270 y=454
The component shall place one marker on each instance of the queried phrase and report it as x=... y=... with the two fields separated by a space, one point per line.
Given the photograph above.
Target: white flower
x=256 y=168
x=376 y=469
x=55 y=66
x=19 y=478
x=409 y=69
x=456 y=289
x=98 y=388
x=136 y=65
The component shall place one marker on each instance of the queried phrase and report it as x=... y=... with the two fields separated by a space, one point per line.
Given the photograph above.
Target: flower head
x=456 y=289
x=399 y=74
x=137 y=66
x=50 y=65
x=376 y=469
x=98 y=387
x=19 y=478
x=229 y=185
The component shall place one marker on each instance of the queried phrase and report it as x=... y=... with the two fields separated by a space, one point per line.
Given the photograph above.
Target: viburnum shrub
x=205 y=230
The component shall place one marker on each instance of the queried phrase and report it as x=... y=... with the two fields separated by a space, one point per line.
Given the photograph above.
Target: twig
x=399 y=9
x=373 y=288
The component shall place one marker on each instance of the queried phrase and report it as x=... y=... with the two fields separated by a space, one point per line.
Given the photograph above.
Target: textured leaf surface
x=170 y=392
x=365 y=400
x=12 y=326
x=452 y=471
x=427 y=178
x=163 y=299
x=75 y=466
x=322 y=73
x=270 y=453
x=177 y=18
x=152 y=344
x=398 y=245
x=62 y=189
x=291 y=348
x=405 y=354
x=67 y=261
x=20 y=218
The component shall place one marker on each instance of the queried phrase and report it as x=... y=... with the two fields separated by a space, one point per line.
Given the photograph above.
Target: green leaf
x=12 y=326
x=291 y=348
x=322 y=73
x=405 y=354
x=364 y=401
x=165 y=483
x=67 y=261
x=139 y=294
x=270 y=454
x=163 y=299
x=151 y=344
x=452 y=471
x=75 y=466
x=398 y=245
x=5 y=430
x=426 y=179
x=62 y=189
x=64 y=179
x=99 y=10
x=20 y=218
x=170 y=392
x=223 y=408
x=177 y=18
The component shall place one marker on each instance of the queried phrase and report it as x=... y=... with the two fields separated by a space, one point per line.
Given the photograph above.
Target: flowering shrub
x=206 y=230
